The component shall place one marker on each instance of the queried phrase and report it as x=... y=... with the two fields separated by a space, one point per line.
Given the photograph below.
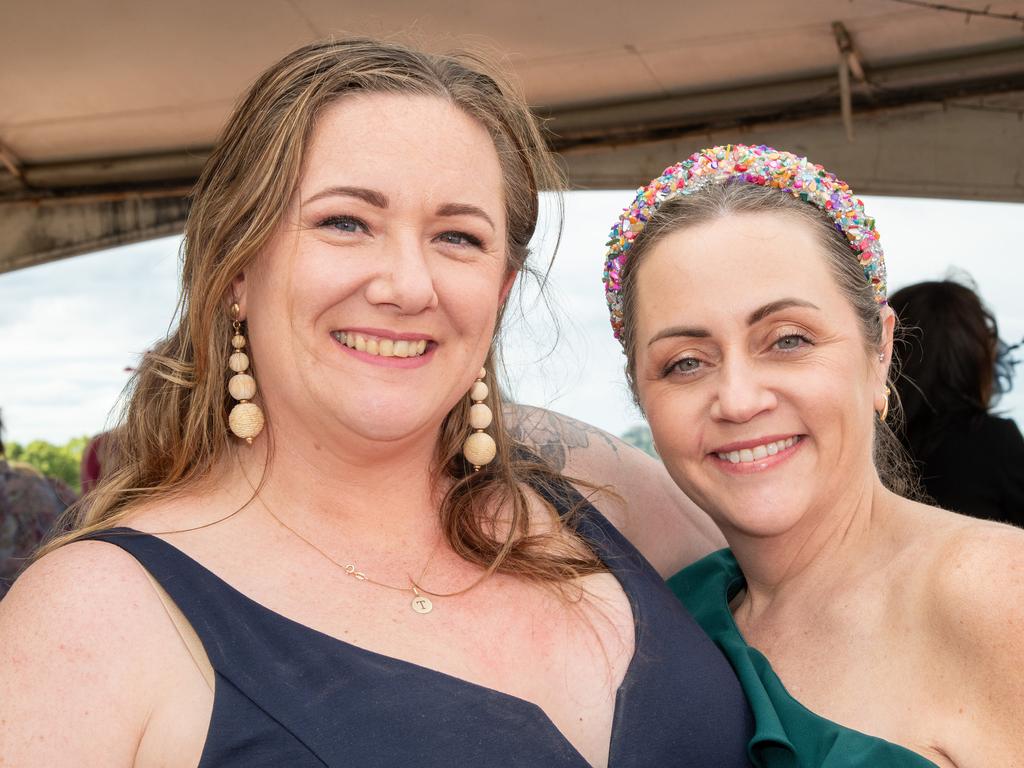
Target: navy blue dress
x=287 y=695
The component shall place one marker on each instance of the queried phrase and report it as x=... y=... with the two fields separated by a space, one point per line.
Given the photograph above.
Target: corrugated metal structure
x=108 y=109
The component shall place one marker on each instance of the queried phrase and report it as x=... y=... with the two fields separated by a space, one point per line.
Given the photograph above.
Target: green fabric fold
x=786 y=734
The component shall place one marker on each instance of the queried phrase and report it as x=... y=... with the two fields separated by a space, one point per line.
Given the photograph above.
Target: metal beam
x=975 y=150
x=896 y=85
x=34 y=233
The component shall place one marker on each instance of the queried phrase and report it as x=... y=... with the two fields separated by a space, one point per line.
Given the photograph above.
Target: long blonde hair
x=173 y=432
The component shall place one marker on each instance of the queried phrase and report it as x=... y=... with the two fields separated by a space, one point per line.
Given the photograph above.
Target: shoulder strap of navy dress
x=608 y=543
x=203 y=598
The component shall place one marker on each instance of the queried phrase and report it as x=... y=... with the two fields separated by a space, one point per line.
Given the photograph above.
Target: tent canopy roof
x=95 y=110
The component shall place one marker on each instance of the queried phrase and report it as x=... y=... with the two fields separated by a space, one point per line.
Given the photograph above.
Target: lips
x=381 y=346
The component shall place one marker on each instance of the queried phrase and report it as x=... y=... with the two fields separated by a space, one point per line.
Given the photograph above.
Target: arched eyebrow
x=759 y=314
x=371 y=196
x=465 y=209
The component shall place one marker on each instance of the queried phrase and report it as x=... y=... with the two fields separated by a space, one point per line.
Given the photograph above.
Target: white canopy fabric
x=108 y=109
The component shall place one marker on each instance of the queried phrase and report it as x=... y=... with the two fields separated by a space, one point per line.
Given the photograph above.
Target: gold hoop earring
x=246 y=418
x=479 y=448
x=885 y=408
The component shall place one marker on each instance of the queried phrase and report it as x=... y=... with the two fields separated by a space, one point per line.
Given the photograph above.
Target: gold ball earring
x=246 y=419
x=479 y=448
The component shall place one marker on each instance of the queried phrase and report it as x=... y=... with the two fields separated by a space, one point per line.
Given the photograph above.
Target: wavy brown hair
x=174 y=434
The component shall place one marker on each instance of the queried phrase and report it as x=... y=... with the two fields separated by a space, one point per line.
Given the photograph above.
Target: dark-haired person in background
x=954 y=368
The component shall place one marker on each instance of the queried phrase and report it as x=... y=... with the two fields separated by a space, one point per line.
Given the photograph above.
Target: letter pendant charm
x=420 y=603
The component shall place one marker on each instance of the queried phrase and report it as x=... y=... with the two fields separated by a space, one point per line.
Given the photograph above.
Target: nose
x=404 y=279
x=742 y=393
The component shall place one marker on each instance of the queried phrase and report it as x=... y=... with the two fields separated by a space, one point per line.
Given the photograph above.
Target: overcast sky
x=68 y=329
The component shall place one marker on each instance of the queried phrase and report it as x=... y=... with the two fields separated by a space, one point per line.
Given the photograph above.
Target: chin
x=765 y=524
x=762 y=514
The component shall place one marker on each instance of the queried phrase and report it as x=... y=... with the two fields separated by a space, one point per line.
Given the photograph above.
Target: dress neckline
x=723 y=576
x=590 y=517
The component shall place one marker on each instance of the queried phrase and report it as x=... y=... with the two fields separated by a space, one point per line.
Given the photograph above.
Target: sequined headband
x=760 y=165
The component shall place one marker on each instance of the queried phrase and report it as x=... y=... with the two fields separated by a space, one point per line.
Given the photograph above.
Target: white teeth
x=381 y=347
x=758 y=452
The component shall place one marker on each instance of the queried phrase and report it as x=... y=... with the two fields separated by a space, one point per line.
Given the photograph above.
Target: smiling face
x=754 y=372
x=372 y=309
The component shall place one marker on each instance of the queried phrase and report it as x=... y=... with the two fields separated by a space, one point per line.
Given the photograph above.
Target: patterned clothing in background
x=29 y=506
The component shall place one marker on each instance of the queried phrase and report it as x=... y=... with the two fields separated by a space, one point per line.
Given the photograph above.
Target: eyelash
x=466 y=238
x=469 y=239
x=334 y=221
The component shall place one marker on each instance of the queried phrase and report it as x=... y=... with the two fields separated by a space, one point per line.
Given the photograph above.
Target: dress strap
x=212 y=609
x=608 y=543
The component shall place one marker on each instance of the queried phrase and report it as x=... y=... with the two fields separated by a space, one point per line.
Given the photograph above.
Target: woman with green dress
x=747 y=287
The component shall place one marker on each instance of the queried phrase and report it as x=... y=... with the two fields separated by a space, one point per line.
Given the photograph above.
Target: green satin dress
x=786 y=734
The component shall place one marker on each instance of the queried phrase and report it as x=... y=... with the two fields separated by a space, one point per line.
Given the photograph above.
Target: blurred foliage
x=639 y=436
x=59 y=461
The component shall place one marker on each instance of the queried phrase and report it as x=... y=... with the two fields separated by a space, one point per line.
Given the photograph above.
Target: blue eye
x=459 y=238
x=687 y=366
x=345 y=224
x=790 y=342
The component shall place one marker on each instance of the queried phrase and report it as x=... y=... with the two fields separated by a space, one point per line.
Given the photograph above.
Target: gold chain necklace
x=420 y=603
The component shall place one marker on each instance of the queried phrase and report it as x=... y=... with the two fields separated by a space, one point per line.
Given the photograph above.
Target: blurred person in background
x=95 y=458
x=30 y=505
x=953 y=368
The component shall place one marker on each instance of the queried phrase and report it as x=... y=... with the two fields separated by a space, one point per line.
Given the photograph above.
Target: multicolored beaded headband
x=760 y=165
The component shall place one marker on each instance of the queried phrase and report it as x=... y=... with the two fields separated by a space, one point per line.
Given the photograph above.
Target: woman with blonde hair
x=346 y=560
x=748 y=288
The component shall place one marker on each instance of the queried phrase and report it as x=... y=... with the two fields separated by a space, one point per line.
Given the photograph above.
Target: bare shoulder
x=634 y=491
x=76 y=631
x=973 y=589
x=975 y=579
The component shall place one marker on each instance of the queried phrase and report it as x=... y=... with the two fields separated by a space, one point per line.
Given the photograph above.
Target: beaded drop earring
x=479 y=448
x=246 y=418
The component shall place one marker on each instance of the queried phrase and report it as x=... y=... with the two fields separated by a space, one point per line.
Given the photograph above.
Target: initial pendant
x=421 y=603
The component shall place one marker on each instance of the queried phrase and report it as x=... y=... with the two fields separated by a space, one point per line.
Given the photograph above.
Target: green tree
x=59 y=461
